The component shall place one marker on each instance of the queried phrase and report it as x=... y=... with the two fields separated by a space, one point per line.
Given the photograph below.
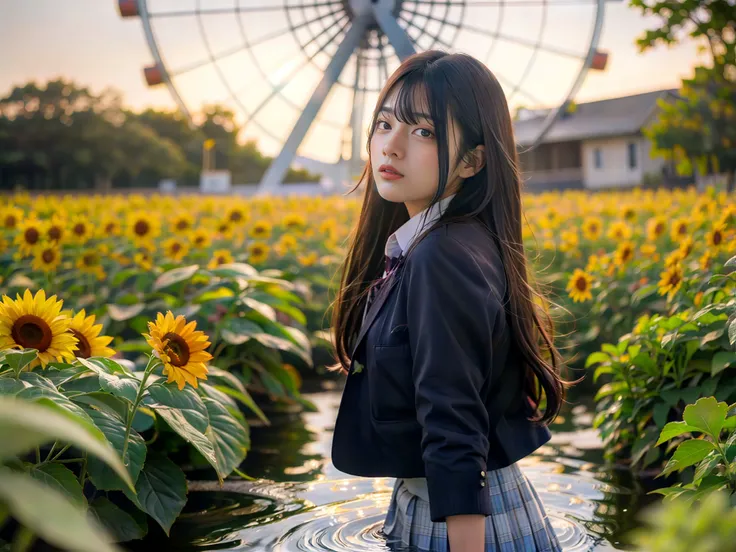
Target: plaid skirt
x=518 y=522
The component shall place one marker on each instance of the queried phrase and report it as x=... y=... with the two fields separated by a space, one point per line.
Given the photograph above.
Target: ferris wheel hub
x=357 y=8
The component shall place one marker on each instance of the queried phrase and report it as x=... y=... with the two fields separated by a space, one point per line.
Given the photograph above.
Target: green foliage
x=62 y=135
x=677 y=526
x=665 y=363
x=98 y=414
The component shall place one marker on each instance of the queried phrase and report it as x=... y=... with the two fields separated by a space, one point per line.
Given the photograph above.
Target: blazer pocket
x=391 y=385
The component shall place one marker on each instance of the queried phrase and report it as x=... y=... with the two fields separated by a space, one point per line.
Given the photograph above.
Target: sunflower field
x=162 y=328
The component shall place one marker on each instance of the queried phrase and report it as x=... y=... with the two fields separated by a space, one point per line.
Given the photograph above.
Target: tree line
x=61 y=135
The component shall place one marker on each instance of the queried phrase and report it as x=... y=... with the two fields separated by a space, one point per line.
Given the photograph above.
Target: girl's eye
x=428 y=135
x=425 y=130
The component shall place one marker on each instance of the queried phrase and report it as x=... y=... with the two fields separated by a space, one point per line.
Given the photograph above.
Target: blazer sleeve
x=453 y=308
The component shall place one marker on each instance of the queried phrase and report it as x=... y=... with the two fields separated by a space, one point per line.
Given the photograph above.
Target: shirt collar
x=401 y=240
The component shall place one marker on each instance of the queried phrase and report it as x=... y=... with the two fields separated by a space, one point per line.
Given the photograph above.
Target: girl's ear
x=476 y=161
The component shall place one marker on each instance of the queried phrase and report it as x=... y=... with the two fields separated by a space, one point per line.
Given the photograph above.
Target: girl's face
x=412 y=151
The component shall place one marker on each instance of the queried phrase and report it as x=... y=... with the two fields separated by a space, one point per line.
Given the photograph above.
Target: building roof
x=613 y=117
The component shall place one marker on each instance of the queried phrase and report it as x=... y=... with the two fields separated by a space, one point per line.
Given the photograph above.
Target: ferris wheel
x=303 y=76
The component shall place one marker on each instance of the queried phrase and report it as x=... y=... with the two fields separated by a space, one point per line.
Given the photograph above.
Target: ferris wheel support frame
x=403 y=47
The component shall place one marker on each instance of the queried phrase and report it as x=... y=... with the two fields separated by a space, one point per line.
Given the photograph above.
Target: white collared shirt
x=401 y=240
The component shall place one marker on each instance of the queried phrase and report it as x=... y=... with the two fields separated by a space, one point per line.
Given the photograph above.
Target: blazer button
x=482 y=473
x=482 y=483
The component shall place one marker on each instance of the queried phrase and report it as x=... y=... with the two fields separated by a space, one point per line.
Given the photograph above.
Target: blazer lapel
x=375 y=307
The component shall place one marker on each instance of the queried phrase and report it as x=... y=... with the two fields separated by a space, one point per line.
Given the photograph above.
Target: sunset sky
x=86 y=40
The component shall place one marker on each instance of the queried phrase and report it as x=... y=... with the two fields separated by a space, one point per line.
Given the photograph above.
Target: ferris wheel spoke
x=356 y=116
x=397 y=36
x=276 y=171
x=210 y=59
x=278 y=87
x=432 y=18
x=289 y=30
x=437 y=39
x=523 y=42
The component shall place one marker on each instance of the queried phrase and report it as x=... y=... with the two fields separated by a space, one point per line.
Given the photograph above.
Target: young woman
x=436 y=326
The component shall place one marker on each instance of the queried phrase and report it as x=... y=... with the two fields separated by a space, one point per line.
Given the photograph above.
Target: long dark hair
x=459 y=86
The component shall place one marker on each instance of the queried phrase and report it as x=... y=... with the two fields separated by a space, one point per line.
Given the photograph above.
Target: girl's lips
x=387 y=175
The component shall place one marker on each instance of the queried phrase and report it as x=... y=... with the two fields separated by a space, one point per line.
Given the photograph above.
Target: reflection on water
x=301 y=502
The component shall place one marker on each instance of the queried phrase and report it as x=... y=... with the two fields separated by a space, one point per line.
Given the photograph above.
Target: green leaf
x=273 y=342
x=186 y=414
x=659 y=413
x=63 y=480
x=721 y=361
x=102 y=365
x=673 y=429
x=174 y=276
x=732 y=332
x=707 y=415
x=50 y=515
x=125 y=387
x=120 y=313
x=229 y=437
x=265 y=310
x=18 y=360
x=687 y=454
x=161 y=491
x=610 y=389
x=11 y=386
x=135 y=456
x=711 y=336
x=119 y=523
x=708 y=464
x=248 y=401
x=24 y=426
x=233 y=270
x=237 y=331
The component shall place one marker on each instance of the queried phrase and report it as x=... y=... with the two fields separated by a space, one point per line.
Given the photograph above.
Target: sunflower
x=180 y=348
x=46 y=257
x=143 y=259
x=89 y=341
x=34 y=322
x=261 y=230
x=110 y=227
x=258 y=252
x=671 y=280
x=679 y=229
x=90 y=262
x=307 y=260
x=201 y=238
x=579 y=286
x=569 y=240
x=236 y=215
x=649 y=250
x=592 y=227
x=686 y=246
x=715 y=238
x=181 y=223
x=224 y=229
x=10 y=217
x=220 y=257
x=294 y=221
x=80 y=229
x=175 y=249
x=287 y=242
x=705 y=260
x=142 y=228
x=56 y=229
x=619 y=231
x=624 y=253
x=656 y=227
x=673 y=258
x=30 y=232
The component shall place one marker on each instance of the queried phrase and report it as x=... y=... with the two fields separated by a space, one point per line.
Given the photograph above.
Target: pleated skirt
x=518 y=522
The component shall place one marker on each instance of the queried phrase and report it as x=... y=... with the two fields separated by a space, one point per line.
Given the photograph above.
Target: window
x=632 y=155
x=598 y=158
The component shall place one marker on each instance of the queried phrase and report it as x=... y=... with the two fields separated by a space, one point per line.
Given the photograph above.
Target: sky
x=87 y=41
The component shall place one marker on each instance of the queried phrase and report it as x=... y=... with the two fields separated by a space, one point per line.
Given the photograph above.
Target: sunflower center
x=84 y=349
x=89 y=259
x=31 y=332
x=581 y=284
x=177 y=349
x=31 y=235
x=221 y=260
x=236 y=216
x=48 y=255
x=175 y=248
x=182 y=225
x=141 y=228
x=10 y=221
x=79 y=229
x=199 y=240
x=257 y=250
x=109 y=227
x=54 y=233
x=717 y=237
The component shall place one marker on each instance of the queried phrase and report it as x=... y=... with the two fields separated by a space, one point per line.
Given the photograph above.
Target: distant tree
x=697 y=130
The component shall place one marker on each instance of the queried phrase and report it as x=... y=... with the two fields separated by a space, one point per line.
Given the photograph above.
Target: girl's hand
x=467 y=533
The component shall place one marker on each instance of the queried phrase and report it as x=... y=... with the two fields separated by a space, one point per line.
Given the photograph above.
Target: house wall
x=614 y=171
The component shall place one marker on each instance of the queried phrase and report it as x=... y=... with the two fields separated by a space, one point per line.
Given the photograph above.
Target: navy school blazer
x=434 y=387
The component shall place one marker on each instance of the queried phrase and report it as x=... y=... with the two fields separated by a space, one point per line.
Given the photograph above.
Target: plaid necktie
x=390 y=263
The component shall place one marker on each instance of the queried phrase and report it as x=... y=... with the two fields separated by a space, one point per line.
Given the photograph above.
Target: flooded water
x=301 y=502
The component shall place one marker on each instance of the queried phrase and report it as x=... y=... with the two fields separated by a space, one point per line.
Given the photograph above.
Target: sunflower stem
x=152 y=363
